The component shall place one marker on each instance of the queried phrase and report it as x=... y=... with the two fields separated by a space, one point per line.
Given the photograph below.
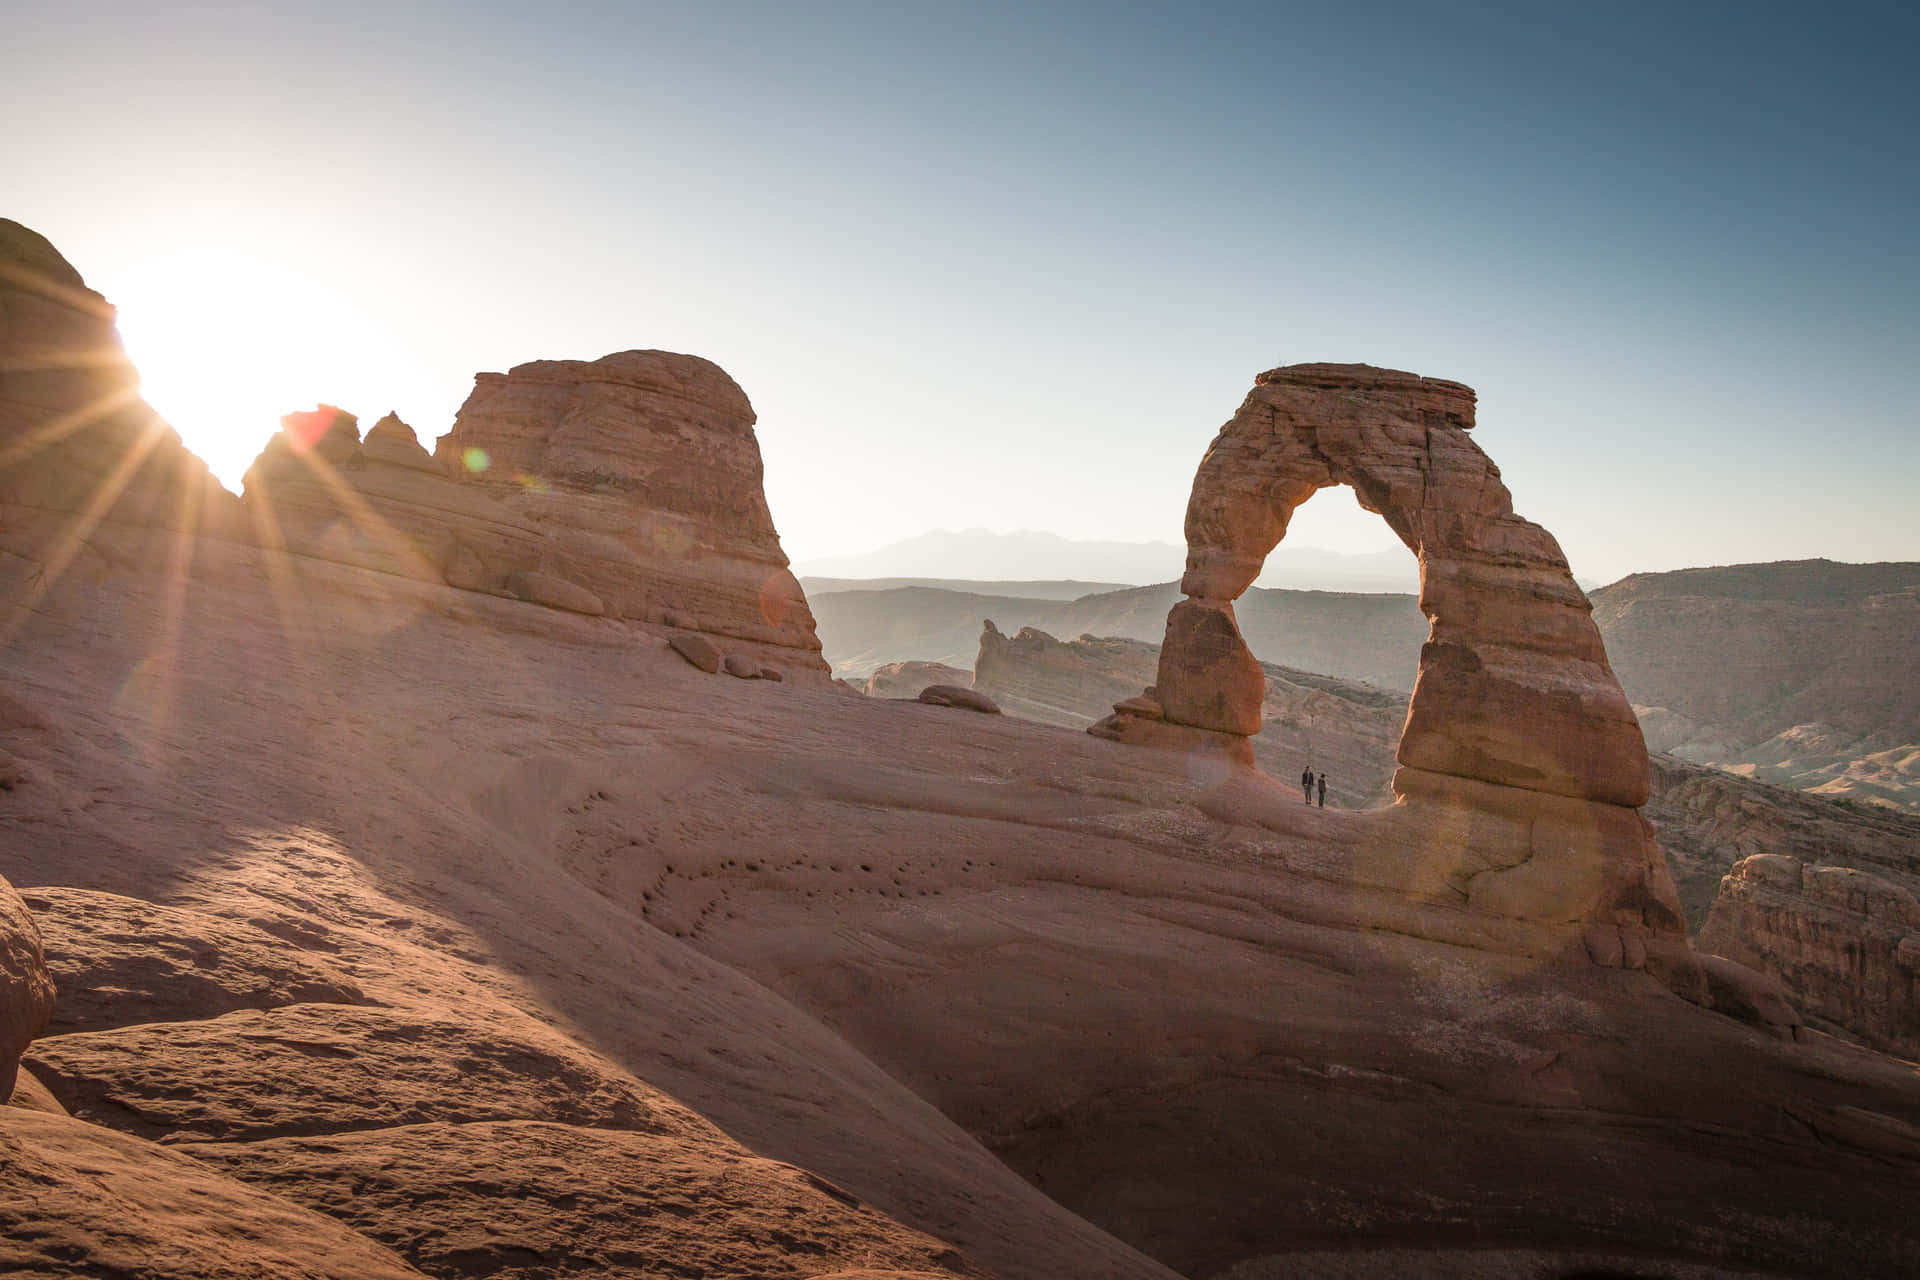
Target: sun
x=226 y=342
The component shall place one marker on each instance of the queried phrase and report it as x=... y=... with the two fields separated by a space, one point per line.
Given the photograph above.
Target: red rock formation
x=1844 y=943
x=26 y=990
x=1518 y=740
x=318 y=490
x=644 y=469
x=75 y=437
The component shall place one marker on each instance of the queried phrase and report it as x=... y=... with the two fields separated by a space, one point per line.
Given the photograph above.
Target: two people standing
x=1308 y=781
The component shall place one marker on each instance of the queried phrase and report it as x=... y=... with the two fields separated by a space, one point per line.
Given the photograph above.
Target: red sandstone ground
x=983 y=975
x=410 y=927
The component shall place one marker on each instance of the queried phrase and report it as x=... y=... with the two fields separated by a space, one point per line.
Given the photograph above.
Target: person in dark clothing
x=1306 y=785
x=1323 y=790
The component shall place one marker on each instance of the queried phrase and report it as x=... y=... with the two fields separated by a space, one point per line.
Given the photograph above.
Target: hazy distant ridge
x=1375 y=638
x=982 y=558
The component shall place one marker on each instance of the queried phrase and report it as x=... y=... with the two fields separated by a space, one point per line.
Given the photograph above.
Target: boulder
x=26 y=988
x=907 y=679
x=771 y=673
x=556 y=593
x=1749 y=995
x=952 y=695
x=698 y=650
x=741 y=666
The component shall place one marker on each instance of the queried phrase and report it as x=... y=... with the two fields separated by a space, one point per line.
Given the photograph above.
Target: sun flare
x=227 y=342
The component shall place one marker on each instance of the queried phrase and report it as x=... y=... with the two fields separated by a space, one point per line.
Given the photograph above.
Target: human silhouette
x=1306 y=785
x=1323 y=790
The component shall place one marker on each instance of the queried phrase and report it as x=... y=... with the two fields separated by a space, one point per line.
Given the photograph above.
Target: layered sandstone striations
x=318 y=489
x=643 y=469
x=1796 y=672
x=1844 y=943
x=586 y=541
x=77 y=443
x=1709 y=819
x=26 y=989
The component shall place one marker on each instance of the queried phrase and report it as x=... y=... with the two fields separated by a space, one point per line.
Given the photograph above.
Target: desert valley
x=471 y=851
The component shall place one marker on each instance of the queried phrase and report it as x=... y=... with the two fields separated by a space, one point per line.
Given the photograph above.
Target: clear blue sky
x=1011 y=267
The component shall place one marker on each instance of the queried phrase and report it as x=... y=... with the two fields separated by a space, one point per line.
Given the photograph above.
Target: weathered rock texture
x=383 y=503
x=1708 y=820
x=26 y=989
x=1518 y=739
x=1796 y=672
x=125 y=960
x=75 y=436
x=953 y=695
x=1844 y=943
x=644 y=469
x=78 y=1200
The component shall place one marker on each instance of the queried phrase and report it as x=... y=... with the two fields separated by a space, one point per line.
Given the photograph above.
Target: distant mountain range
x=981 y=557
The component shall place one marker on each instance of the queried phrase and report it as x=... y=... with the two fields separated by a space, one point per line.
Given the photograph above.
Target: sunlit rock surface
x=26 y=988
x=76 y=439
x=643 y=468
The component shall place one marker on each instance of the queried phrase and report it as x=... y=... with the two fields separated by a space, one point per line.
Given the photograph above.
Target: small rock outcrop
x=643 y=469
x=319 y=490
x=75 y=436
x=1844 y=943
x=1520 y=753
x=26 y=989
x=953 y=695
x=907 y=679
x=697 y=650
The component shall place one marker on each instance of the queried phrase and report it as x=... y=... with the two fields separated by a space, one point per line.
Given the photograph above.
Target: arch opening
x=1520 y=765
x=1338 y=659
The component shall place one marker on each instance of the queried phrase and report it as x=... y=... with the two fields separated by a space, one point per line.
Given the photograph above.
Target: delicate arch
x=1513 y=686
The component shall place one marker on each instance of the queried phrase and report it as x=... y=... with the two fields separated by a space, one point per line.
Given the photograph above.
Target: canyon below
x=486 y=858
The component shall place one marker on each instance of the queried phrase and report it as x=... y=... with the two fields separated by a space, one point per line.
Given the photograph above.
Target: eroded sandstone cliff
x=643 y=469
x=1844 y=942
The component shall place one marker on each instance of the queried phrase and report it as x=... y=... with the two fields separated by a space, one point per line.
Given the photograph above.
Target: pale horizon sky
x=1011 y=267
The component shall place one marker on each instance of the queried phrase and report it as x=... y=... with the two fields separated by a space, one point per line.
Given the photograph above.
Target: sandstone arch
x=1522 y=765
